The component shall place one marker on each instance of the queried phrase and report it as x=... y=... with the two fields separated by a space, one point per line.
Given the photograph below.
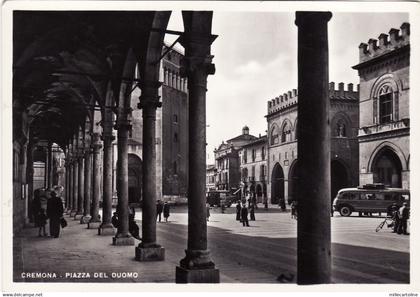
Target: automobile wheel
x=345 y=211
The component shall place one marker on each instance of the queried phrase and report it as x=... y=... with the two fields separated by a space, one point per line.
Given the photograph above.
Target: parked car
x=371 y=198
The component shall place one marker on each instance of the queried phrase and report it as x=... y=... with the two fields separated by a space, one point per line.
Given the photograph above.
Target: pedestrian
x=208 y=211
x=248 y=198
x=159 y=209
x=244 y=215
x=394 y=215
x=254 y=202
x=266 y=203
x=55 y=213
x=114 y=219
x=36 y=206
x=133 y=228
x=252 y=212
x=166 y=211
x=238 y=211
x=293 y=208
x=41 y=221
x=282 y=204
x=404 y=214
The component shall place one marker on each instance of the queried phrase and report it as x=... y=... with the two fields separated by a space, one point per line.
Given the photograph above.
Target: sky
x=255 y=55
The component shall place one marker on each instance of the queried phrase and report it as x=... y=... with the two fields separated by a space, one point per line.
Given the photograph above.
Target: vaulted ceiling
x=63 y=62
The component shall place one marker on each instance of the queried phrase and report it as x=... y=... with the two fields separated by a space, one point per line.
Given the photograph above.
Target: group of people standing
x=47 y=206
x=162 y=208
x=400 y=215
x=242 y=212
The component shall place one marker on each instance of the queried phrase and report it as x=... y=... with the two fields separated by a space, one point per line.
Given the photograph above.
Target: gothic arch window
x=274 y=137
x=286 y=132
x=385 y=104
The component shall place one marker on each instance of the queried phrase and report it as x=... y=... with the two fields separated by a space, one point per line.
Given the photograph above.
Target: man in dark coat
x=244 y=215
x=54 y=213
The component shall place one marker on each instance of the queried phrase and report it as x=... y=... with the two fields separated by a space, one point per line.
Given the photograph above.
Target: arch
x=387 y=168
x=395 y=149
x=292 y=182
x=386 y=79
x=277 y=184
x=286 y=131
x=274 y=134
x=340 y=177
x=135 y=175
x=259 y=191
x=384 y=95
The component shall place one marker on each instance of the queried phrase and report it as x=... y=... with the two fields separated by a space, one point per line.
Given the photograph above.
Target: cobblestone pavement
x=260 y=253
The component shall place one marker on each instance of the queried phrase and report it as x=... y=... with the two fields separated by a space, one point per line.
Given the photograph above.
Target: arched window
x=385 y=104
x=274 y=139
x=286 y=132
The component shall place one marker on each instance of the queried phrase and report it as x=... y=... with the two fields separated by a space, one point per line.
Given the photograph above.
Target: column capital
x=107 y=136
x=190 y=64
x=197 y=48
x=150 y=95
x=310 y=18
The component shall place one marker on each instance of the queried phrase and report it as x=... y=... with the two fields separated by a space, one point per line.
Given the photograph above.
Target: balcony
x=382 y=128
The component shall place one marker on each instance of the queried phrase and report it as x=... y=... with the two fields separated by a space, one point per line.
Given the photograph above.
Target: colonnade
x=83 y=158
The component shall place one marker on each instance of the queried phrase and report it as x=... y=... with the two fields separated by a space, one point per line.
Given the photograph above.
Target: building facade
x=384 y=109
x=228 y=174
x=211 y=177
x=282 y=136
x=253 y=168
x=171 y=137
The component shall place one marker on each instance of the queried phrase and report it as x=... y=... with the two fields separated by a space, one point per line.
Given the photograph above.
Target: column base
x=125 y=240
x=78 y=216
x=152 y=253
x=85 y=219
x=94 y=225
x=106 y=230
x=73 y=213
x=207 y=275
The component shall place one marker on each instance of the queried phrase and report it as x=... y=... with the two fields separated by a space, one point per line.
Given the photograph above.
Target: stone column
x=66 y=184
x=197 y=266
x=123 y=126
x=314 y=226
x=87 y=188
x=50 y=167
x=75 y=186
x=70 y=184
x=46 y=171
x=81 y=186
x=95 y=222
x=148 y=249
x=106 y=227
